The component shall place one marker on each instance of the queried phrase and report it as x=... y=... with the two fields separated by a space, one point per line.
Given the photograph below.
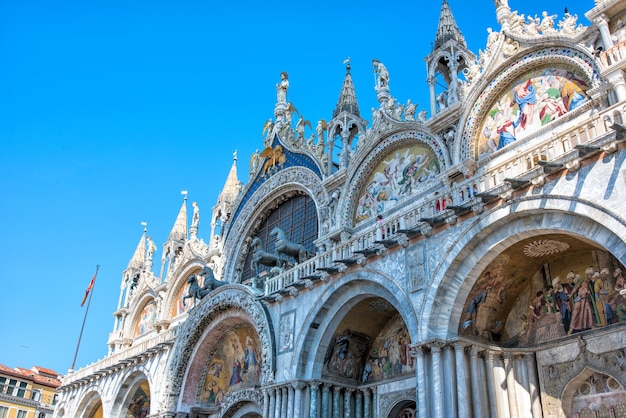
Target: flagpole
x=84 y=320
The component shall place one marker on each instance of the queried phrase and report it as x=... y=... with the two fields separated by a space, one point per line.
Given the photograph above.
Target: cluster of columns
x=315 y=399
x=465 y=380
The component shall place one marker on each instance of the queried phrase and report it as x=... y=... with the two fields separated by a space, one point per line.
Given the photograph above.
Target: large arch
x=337 y=300
x=231 y=301
x=376 y=155
x=494 y=231
x=91 y=405
x=487 y=93
x=287 y=181
x=133 y=393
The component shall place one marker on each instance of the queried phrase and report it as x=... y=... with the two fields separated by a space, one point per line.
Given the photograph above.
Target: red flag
x=93 y=280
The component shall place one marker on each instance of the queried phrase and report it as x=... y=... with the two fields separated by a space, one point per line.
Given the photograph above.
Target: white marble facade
x=465 y=264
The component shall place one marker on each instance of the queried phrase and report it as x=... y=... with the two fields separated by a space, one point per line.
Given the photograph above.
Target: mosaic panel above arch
x=543 y=288
x=235 y=364
x=403 y=172
x=558 y=77
x=534 y=100
x=145 y=320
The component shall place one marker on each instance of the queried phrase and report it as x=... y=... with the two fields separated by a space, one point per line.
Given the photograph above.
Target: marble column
x=272 y=406
x=420 y=378
x=290 y=396
x=605 y=32
x=347 y=403
x=325 y=400
x=283 y=402
x=358 y=404
x=491 y=390
x=297 y=399
x=501 y=392
x=367 y=404
x=435 y=382
x=279 y=401
x=533 y=387
x=336 y=401
x=375 y=401
x=477 y=404
x=509 y=367
x=314 y=403
x=462 y=405
x=448 y=383
x=266 y=403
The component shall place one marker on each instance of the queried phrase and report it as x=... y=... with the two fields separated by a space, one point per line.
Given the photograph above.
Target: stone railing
x=138 y=348
x=614 y=55
x=418 y=216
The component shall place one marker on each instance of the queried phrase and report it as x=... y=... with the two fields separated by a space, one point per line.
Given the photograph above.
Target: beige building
x=27 y=393
x=461 y=260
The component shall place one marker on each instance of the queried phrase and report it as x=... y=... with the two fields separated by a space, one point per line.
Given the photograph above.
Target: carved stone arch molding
x=484 y=97
x=390 y=404
x=234 y=406
x=226 y=299
x=383 y=148
x=289 y=180
x=124 y=386
x=563 y=380
x=460 y=261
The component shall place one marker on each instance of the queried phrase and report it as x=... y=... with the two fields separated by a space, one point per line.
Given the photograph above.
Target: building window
x=4 y=411
x=21 y=389
x=297 y=217
x=21 y=414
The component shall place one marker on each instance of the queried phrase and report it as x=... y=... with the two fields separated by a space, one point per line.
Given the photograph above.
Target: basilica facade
x=463 y=260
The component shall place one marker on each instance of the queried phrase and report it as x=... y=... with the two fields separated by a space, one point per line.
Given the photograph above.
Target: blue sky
x=108 y=110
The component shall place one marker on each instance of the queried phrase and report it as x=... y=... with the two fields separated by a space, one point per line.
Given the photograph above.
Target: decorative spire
x=139 y=258
x=347 y=97
x=179 y=231
x=448 y=29
x=232 y=187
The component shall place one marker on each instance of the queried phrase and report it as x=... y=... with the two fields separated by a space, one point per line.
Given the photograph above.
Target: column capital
x=299 y=385
x=336 y=389
x=436 y=346
x=474 y=350
x=459 y=345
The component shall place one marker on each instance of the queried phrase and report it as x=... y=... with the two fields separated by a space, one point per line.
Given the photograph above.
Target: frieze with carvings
x=557 y=376
x=232 y=400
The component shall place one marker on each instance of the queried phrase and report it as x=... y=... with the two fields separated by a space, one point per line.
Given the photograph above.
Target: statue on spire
x=382 y=75
x=282 y=87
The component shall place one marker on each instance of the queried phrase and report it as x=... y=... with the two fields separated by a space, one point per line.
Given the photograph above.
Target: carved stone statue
x=382 y=75
x=282 y=87
x=210 y=283
x=291 y=249
x=409 y=110
x=261 y=257
x=195 y=220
